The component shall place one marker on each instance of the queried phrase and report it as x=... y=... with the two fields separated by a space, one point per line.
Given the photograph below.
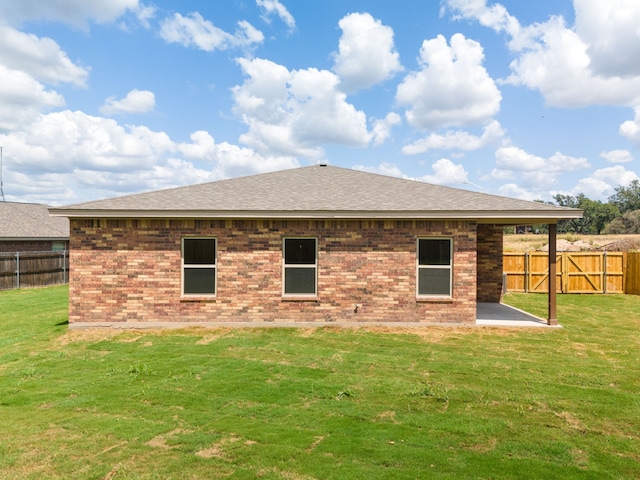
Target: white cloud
x=136 y=101
x=514 y=191
x=558 y=65
x=73 y=147
x=45 y=188
x=166 y=174
x=514 y=158
x=231 y=160
x=495 y=17
x=617 y=156
x=293 y=113
x=445 y=172
x=65 y=141
x=385 y=168
x=69 y=11
x=631 y=128
x=382 y=128
x=366 y=53
x=274 y=7
x=593 y=63
x=452 y=88
x=559 y=162
x=22 y=98
x=40 y=58
x=194 y=31
x=601 y=183
x=610 y=29
x=144 y=13
x=534 y=173
x=67 y=157
x=457 y=140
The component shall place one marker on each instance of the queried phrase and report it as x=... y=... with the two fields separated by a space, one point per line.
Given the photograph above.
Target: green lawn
x=325 y=403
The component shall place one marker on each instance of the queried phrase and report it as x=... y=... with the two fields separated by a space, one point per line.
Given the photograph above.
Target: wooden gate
x=577 y=272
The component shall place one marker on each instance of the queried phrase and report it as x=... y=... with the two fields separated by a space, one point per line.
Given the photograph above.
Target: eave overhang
x=513 y=217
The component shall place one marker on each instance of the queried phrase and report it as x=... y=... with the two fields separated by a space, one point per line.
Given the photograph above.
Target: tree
x=571 y=225
x=595 y=217
x=629 y=222
x=627 y=198
x=599 y=214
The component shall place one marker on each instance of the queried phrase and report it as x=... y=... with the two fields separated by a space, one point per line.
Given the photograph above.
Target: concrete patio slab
x=501 y=315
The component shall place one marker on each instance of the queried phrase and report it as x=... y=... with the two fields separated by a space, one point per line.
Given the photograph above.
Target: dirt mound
x=625 y=245
x=563 y=245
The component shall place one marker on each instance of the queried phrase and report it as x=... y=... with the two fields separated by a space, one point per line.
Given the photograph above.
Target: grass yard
x=323 y=403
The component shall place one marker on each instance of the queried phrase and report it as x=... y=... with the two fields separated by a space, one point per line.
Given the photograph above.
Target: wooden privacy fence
x=33 y=269
x=577 y=272
x=632 y=274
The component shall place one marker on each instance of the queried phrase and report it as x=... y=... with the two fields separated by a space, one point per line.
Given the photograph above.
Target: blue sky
x=523 y=99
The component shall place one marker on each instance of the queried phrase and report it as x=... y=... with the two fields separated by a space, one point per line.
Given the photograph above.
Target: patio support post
x=552 y=319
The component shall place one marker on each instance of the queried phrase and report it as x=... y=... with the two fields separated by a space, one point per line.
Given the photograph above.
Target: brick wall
x=130 y=271
x=490 y=239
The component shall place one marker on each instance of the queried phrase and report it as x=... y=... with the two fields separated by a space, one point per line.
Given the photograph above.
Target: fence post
x=552 y=318
x=18 y=270
x=64 y=266
x=526 y=272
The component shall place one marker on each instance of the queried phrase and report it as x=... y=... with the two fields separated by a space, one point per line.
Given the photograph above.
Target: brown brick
x=130 y=270
x=490 y=270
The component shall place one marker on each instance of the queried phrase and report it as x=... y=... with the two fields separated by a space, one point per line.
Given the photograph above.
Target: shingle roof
x=30 y=221
x=317 y=192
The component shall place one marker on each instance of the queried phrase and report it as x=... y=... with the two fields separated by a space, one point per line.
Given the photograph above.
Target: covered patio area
x=490 y=278
x=501 y=315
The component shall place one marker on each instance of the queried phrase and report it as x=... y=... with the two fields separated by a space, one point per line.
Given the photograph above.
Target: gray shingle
x=317 y=191
x=30 y=221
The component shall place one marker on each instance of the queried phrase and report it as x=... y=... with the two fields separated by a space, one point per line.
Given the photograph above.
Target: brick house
x=28 y=227
x=311 y=245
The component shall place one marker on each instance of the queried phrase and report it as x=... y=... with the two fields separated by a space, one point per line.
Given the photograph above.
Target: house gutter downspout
x=552 y=318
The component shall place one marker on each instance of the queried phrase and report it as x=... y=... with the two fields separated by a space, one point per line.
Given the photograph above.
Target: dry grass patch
x=530 y=242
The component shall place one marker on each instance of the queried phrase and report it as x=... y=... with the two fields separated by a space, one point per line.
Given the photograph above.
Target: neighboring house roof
x=30 y=221
x=320 y=191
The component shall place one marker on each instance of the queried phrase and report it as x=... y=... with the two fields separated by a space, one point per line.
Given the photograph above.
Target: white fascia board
x=484 y=216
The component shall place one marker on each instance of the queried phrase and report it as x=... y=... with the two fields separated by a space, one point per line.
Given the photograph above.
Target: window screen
x=434 y=266
x=199 y=266
x=300 y=266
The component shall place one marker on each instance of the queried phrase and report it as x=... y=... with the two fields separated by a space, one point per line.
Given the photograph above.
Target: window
x=300 y=266
x=58 y=246
x=434 y=267
x=199 y=266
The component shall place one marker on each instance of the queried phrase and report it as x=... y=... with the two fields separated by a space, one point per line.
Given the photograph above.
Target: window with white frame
x=435 y=266
x=199 y=266
x=300 y=266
